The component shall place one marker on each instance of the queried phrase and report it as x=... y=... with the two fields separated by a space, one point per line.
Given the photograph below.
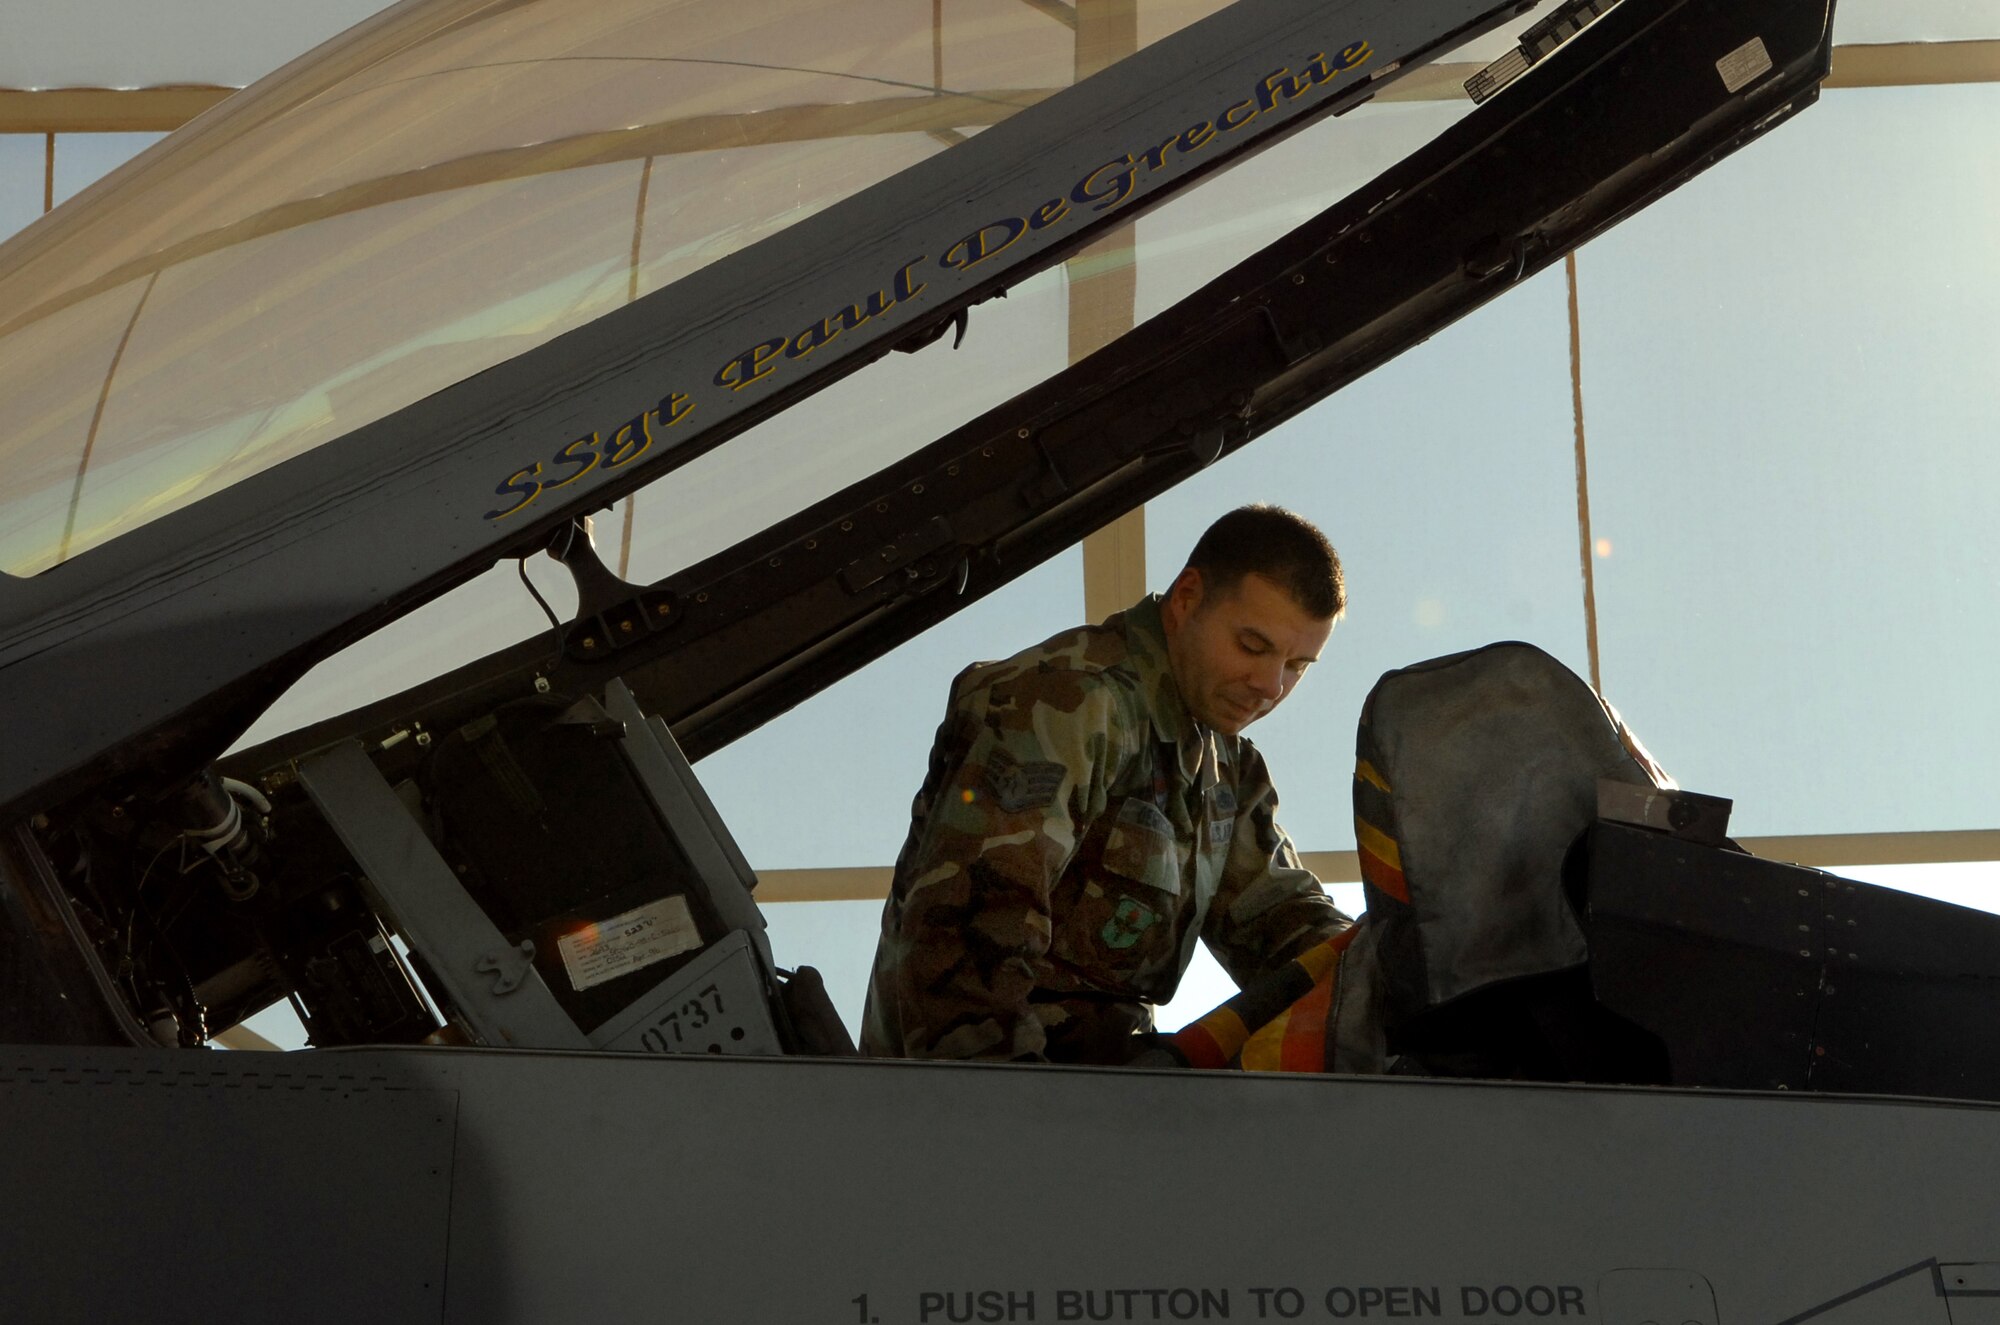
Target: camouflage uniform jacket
x=1076 y=832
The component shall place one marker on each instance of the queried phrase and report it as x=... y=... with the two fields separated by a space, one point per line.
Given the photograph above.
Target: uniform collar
x=1146 y=644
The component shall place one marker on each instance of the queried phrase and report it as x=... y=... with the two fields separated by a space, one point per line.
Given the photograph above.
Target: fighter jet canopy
x=430 y=295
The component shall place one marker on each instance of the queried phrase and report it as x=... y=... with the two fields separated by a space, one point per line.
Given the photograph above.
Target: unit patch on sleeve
x=1018 y=786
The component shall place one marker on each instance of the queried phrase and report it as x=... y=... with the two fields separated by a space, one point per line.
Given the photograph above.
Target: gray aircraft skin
x=689 y=1142
x=477 y=1185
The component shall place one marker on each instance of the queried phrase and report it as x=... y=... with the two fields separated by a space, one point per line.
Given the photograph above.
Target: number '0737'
x=587 y=454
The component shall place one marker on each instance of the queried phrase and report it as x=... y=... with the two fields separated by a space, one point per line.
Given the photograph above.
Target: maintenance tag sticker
x=623 y=944
x=1744 y=65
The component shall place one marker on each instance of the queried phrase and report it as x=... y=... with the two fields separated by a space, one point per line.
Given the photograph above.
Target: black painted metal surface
x=1756 y=974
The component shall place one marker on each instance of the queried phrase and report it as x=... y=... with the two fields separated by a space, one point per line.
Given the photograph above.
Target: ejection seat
x=1544 y=904
x=1475 y=777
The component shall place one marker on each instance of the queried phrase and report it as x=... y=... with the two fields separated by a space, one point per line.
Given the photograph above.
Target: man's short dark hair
x=1283 y=547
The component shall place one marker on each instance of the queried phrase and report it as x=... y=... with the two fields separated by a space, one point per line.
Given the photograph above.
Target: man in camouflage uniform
x=1090 y=811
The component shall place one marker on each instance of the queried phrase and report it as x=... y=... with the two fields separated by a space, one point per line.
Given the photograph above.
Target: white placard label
x=622 y=944
x=1744 y=65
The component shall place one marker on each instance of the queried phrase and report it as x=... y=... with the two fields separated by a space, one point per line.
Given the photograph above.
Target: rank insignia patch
x=1018 y=786
x=1127 y=923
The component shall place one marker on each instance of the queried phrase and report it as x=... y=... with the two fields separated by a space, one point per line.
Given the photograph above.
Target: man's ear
x=1183 y=599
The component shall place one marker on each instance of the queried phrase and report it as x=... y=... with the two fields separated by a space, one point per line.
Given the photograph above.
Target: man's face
x=1236 y=654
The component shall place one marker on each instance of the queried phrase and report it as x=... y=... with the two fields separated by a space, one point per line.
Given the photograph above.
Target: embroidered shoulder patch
x=1018 y=786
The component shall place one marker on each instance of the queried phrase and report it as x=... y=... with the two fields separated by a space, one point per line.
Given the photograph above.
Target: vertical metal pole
x=1103 y=302
x=1585 y=543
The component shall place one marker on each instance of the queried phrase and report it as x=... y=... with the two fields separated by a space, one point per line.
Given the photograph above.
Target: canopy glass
x=140 y=43
x=444 y=187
